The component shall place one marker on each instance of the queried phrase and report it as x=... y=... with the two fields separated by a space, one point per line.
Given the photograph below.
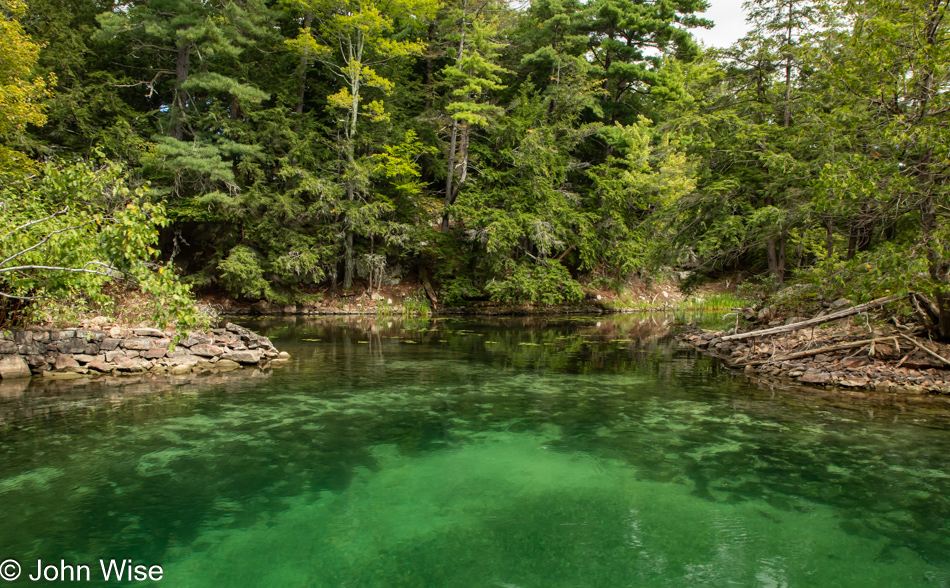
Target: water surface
x=518 y=453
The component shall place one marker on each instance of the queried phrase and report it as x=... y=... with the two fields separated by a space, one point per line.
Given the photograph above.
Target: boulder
x=155 y=353
x=196 y=339
x=853 y=382
x=71 y=345
x=204 y=350
x=100 y=366
x=84 y=357
x=109 y=344
x=137 y=343
x=126 y=364
x=243 y=357
x=8 y=347
x=14 y=366
x=180 y=358
x=148 y=333
x=64 y=361
x=813 y=376
x=184 y=368
x=226 y=365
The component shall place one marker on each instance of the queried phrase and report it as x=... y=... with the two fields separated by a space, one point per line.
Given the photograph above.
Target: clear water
x=514 y=453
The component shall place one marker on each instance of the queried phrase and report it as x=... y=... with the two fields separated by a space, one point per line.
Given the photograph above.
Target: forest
x=510 y=152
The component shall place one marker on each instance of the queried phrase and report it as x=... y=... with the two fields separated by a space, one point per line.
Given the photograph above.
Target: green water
x=513 y=453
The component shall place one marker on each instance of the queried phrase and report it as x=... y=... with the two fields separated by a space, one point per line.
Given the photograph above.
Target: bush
x=544 y=284
x=242 y=274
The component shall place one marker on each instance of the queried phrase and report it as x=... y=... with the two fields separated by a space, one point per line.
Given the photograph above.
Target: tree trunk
x=776 y=254
x=938 y=265
x=450 y=172
x=830 y=236
x=302 y=87
x=449 y=175
x=182 y=64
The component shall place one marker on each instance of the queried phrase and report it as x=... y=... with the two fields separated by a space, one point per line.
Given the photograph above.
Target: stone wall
x=73 y=353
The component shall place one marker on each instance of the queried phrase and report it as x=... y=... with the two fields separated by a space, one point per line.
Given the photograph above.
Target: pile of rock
x=832 y=357
x=70 y=353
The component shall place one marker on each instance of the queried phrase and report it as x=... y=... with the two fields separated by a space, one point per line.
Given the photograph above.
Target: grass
x=712 y=301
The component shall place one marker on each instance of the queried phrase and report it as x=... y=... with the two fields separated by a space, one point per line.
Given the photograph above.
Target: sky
x=730 y=23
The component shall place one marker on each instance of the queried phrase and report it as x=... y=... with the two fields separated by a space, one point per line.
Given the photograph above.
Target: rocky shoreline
x=856 y=359
x=84 y=352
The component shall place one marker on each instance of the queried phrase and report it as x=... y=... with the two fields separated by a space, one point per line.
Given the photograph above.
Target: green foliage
x=242 y=274
x=539 y=284
x=75 y=228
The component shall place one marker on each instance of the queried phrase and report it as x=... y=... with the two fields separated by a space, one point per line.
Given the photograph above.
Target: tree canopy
x=521 y=154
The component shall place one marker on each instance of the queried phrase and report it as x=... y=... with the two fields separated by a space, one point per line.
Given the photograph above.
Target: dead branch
x=944 y=360
x=826 y=349
x=815 y=321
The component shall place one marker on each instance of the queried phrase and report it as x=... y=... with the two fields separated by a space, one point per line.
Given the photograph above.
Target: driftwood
x=944 y=360
x=815 y=321
x=826 y=349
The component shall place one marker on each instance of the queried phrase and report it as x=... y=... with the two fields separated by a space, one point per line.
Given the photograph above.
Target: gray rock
x=64 y=361
x=196 y=339
x=111 y=356
x=8 y=347
x=795 y=319
x=813 y=376
x=90 y=336
x=23 y=337
x=180 y=369
x=226 y=365
x=204 y=350
x=283 y=355
x=14 y=366
x=38 y=362
x=109 y=344
x=71 y=345
x=154 y=353
x=243 y=357
x=853 y=382
x=137 y=343
x=125 y=364
x=84 y=358
x=101 y=366
x=178 y=358
x=148 y=333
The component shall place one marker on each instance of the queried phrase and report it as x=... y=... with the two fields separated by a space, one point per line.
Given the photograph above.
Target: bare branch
x=45 y=239
x=12 y=297
x=36 y=222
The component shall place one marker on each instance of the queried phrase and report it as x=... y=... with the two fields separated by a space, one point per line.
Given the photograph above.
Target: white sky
x=730 y=23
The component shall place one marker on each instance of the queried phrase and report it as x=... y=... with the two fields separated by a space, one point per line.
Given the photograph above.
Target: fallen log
x=826 y=349
x=927 y=351
x=815 y=321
